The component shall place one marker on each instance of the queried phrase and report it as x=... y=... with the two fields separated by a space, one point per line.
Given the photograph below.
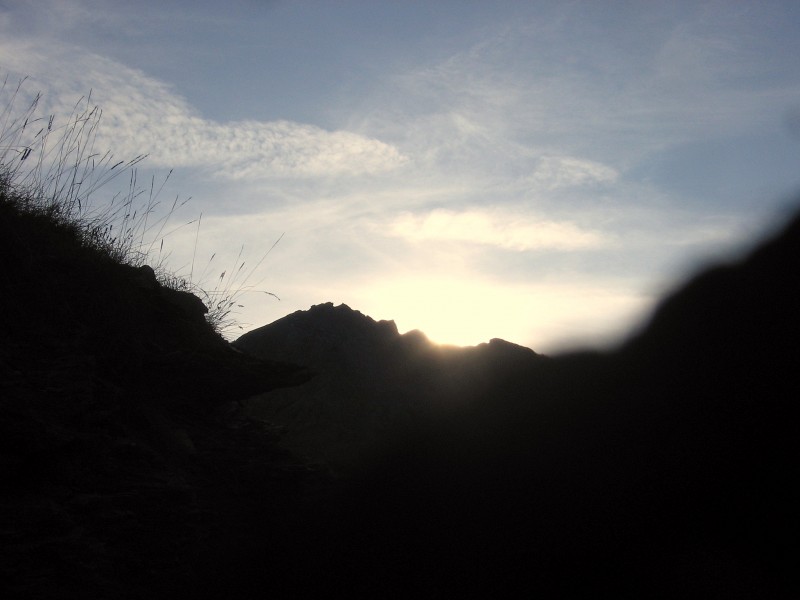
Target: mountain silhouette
x=141 y=455
x=661 y=469
x=370 y=382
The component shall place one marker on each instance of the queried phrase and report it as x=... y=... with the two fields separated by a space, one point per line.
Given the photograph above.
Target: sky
x=542 y=172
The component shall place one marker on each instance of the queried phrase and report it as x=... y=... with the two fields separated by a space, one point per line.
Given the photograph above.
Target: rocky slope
x=370 y=383
x=126 y=470
x=662 y=470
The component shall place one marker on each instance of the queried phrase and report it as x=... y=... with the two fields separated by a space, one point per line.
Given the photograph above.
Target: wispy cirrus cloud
x=495 y=228
x=618 y=93
x=144 y=115
x=552 y=172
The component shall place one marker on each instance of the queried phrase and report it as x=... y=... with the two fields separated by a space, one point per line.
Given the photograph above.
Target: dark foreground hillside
x=126 y=469
x=129 y=469
x=663 y=470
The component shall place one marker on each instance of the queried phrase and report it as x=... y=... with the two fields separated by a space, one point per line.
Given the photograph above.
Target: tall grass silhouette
x=56 y=171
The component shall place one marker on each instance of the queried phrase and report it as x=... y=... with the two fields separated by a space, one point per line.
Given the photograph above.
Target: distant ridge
x=312 y=334
x=661 y=470
x=370 y=380
x=325 y=326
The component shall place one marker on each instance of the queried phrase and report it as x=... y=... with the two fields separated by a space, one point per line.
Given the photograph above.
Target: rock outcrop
x=661 y=470
x=120 y=455
x=370 y=383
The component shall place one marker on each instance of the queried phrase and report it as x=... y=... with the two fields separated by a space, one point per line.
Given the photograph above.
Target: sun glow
x=468 y=312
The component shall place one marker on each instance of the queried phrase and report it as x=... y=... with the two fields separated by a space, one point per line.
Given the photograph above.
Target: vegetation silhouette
x=119 y=438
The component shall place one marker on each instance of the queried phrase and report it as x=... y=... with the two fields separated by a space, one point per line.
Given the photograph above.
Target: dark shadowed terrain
x=142 y=456
x=127 y=469
x=660 y=470
x=370 y=383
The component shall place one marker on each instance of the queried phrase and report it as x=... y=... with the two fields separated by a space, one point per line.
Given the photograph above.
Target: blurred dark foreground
x=662 y=469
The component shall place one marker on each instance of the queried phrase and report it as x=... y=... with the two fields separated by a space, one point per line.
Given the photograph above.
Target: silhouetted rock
x=371 y=382
x=660 y=470
x=119 y=458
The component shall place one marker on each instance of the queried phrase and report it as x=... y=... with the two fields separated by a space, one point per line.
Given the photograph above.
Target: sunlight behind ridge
x=466 y=312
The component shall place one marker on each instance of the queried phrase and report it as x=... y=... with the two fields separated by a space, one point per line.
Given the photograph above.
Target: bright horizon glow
x=467 y=313
x=536 y=171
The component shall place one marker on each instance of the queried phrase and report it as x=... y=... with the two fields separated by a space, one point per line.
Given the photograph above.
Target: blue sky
x=537 y=171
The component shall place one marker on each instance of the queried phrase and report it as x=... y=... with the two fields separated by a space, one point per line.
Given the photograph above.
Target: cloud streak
x=492 y=228
x=616 y=93
x=142 y=115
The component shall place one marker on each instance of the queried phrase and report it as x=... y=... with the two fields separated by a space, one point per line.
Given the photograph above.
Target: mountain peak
x=323 y=328
x=328 y=316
